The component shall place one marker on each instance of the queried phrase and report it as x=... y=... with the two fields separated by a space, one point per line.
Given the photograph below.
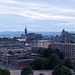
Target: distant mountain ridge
x=18 y=33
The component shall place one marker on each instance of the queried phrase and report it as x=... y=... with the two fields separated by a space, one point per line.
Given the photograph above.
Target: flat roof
x=22 y=60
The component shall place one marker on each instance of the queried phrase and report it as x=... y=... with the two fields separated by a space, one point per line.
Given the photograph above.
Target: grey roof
x=23 y=60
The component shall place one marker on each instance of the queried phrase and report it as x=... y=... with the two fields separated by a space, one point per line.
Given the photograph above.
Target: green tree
x=61 y=71
x=65 y=71
x=18 y=52
x=10 y=52
x=53 y=60
x=41 y=74
x=37 y=64
x=61 y=55
x=57 y=70
x=68 y=63
x=74 y=69
x=6 y=72
x=46 y=64
x=26 y=70
x=47 y=52
x=1 y=71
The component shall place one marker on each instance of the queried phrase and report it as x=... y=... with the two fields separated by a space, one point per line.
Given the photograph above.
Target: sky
x=37 y=15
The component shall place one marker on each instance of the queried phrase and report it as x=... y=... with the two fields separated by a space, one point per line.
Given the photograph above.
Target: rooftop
x=23 y=60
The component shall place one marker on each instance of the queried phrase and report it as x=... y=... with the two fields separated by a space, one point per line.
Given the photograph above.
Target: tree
x=1 y=71
x=57 y=70
x=61 y=71
x=65 y=71
x=74 y=69
x=18 y=52
x=46 y=64
x=6 y=72
x=37 y=64
x=10 y=52
x=41 y=74
x=26 y=70
x=53 y=60
x=68 y=63
x=47 y=52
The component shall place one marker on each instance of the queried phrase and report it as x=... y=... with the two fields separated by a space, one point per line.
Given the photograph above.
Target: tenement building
x=67 y=48
x=42 y=43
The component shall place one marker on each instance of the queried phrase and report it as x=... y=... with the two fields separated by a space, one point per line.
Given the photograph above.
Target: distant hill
x=18 y=33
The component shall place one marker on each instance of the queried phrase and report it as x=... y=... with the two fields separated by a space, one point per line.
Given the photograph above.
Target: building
x=42 y=43
x=18 y=60
x=20 y=63
x=25 y=31
x=65 y=37
x=23 y=36
x=8 y=58
x=67 y=48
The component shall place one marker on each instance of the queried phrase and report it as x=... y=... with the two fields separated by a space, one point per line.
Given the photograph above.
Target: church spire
x=25 y=31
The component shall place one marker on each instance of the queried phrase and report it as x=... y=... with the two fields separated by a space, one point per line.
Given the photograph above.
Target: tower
x=25 y=31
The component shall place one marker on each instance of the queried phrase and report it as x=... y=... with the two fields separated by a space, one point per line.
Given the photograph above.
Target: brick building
x=18 y=60
x=20 y=63
x=67 y=48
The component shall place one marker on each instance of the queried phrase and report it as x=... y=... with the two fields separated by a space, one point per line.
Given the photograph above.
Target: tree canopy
x=53 y=60
x=68 y=63
x=61 y=71
x=6 y=72
x=47 y=52
x=27 y=70
x=38 y=63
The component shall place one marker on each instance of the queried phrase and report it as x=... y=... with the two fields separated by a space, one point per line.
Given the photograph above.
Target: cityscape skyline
x=37 y=16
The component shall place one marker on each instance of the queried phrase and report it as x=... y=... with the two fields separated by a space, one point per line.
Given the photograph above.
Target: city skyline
x=37 y=15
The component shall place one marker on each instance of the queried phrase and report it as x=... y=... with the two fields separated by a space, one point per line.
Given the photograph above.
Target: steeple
x=25 y=31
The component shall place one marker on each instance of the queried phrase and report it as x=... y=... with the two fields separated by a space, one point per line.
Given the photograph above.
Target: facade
x=67 y=48
x=8 y=58
x=20 y=63
x=42 y=43
x=18 y=60
x=14 y=46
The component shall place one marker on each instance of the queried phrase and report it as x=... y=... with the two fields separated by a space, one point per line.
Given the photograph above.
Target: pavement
x=36 y=72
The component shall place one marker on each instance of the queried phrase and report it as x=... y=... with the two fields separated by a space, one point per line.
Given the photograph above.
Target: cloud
x=37 y=11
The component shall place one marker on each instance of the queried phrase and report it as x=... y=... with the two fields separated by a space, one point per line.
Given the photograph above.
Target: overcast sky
x=37 y=15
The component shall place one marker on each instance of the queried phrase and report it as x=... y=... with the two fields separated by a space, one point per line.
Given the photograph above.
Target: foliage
x=26 y=70
x=6 y=72
x=5 y=39
x=37 y=64
x=68 y=63
x=14 y=38
x=10 y=52
x=53 y=60
x=1 y=71
x=47 y=52
x=57 y=70
x=41 y=74
x=46 y=64
x=74 y=69
x=60 y=54
x=65 y=71
x=18 y=52
x=8 y=39
x=61 y=71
